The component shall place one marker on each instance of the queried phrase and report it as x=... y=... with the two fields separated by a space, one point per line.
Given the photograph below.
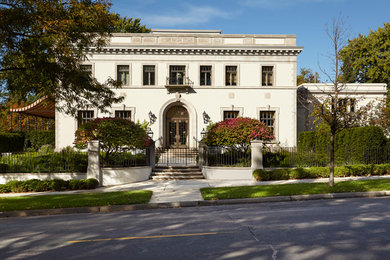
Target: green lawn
x=292 y=189
x=75 y=200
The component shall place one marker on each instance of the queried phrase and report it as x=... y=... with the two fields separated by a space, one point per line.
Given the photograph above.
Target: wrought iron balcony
x=175 y=84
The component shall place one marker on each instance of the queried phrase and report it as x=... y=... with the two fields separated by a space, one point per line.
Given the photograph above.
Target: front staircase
x=177 y=173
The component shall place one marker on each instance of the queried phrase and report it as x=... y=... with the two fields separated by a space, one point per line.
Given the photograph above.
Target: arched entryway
x=177 y=127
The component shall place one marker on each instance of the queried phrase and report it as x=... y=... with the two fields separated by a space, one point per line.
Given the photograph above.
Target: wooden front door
x=177 y=127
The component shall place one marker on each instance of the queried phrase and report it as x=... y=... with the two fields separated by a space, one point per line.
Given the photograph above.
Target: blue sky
x=305 y=18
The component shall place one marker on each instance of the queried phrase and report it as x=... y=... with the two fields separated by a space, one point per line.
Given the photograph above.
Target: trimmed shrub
x=59 y=185
x=47 y=185
x=92 y=183
x=11 y=142
x=83 y=184
x=34 y=185
x=4 y=188
x=16 y=186
x=321 y=172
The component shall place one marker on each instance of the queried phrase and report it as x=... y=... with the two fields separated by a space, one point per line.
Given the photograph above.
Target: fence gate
x=177 y=156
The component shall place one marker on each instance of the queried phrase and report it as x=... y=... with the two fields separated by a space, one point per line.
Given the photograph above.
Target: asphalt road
x=322 y=229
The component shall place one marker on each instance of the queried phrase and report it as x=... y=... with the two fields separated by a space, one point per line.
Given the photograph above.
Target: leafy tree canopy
x=129 y=25
x=307 y=76
x=43 y=44
x=366 y=59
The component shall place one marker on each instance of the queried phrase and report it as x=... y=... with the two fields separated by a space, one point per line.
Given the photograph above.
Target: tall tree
x=43 y=44
x=366 y=59
x=307 y=76
x=331 y=109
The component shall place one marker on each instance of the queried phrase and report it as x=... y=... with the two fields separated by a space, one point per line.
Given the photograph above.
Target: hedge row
x=64 y=161
x=347 y=139
x=36 y=140
x=48 y=185
x=11 y=142
x=321 y=172
x=17 y=142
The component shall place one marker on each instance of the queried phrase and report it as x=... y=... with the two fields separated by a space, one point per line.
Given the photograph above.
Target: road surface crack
x=274 y=252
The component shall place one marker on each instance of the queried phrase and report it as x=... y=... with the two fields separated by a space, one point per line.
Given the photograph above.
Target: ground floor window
x=268 y=118
x=84 y=116
x=230 y=114
x=124 y=114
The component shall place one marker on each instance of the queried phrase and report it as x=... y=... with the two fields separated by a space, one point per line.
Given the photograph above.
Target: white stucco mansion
x=180 y=80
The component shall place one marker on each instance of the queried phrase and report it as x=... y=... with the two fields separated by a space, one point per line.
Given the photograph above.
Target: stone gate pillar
x=94 y=170
x=257 y=154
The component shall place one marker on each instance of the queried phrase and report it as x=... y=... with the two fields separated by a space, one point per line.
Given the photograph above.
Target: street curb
x=181 y=204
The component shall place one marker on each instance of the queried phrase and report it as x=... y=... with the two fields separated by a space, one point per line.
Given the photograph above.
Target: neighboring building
x=180 y=80
x=353 y=96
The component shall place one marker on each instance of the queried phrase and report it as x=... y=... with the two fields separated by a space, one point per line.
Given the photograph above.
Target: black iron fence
x=35 y=162
x=226 y=156
x=177 y=156
x=129 y=158
x=293 y=157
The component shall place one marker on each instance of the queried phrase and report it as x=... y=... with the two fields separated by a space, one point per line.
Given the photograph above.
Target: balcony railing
x=177 y=84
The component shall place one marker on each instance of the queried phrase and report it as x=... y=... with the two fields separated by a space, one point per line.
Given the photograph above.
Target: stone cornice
x=245 y=51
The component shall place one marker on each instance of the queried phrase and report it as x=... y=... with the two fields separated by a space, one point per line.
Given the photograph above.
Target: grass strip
x=75 y=200
x=293 y=189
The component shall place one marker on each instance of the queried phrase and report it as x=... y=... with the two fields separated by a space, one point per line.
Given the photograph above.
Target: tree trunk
x=331 y=166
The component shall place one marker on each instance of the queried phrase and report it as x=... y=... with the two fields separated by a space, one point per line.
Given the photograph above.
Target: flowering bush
x=237 y=132
x=114 y=134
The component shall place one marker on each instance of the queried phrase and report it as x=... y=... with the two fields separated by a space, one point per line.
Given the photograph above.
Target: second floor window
x=177 y=75
x=123 y=74
x=267 y=75
x=231 y=76
x=149 y=75
x=84 y=116
x=205 y=75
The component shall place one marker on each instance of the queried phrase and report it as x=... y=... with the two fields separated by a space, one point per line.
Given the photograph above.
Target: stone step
x=177 y=177
x=181 y=167
x=177 y=170
x=177 y=174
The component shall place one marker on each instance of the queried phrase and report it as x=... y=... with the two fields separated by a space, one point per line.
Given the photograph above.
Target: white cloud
x=273 y=4
x=192 y=15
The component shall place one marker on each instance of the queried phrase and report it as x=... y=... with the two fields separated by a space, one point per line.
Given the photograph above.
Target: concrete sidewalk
x=186 y=190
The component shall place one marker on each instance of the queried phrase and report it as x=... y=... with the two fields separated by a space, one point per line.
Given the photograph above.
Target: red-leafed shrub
x=237 y=132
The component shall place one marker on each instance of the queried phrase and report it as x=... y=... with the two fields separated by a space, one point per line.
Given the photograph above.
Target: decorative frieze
x=293 y=51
